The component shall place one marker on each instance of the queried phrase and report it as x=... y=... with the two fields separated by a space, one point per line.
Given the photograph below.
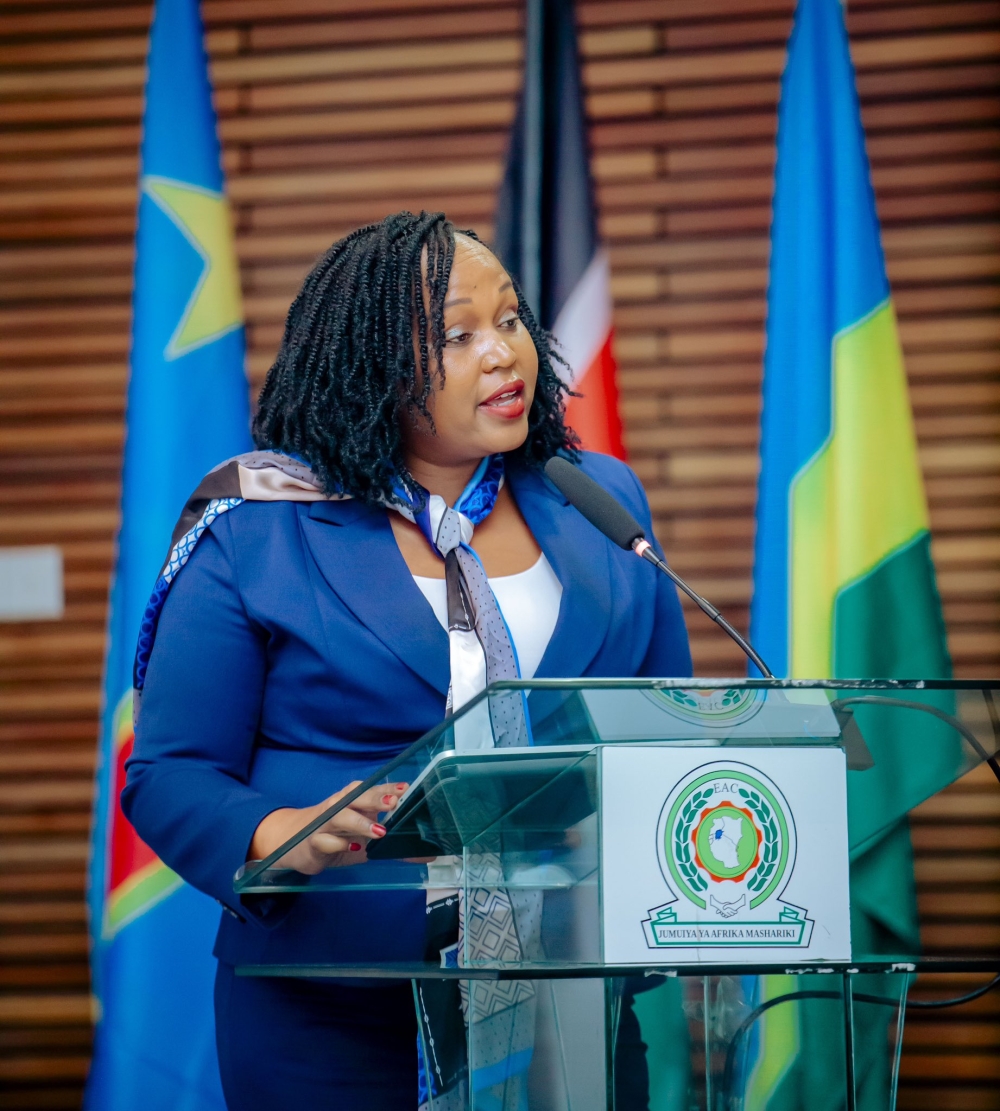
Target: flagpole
x=531 y=182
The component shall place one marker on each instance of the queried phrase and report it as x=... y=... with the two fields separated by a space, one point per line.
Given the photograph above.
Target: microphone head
x=602 y=510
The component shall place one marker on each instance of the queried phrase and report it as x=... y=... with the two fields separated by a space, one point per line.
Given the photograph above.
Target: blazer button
x=229 y=910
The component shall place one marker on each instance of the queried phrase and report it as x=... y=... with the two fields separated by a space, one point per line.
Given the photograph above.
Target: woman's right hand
x=340 y=841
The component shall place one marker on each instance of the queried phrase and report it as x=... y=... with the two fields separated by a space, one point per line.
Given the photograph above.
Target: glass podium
x=639 y=891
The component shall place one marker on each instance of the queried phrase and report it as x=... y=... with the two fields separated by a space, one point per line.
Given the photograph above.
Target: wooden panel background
x=334 y=112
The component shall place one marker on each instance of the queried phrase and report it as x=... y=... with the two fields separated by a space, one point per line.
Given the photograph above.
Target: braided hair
x=346 y=375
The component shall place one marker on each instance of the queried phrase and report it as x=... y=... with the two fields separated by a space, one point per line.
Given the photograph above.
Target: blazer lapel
x=356 y=552
x=579 y=557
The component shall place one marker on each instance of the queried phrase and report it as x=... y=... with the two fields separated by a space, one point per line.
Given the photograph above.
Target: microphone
x=609 y=516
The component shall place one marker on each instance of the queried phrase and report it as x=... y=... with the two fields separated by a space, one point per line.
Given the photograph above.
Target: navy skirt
x=287 y=1044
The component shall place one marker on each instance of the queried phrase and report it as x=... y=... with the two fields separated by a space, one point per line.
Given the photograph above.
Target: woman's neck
x=448 y=480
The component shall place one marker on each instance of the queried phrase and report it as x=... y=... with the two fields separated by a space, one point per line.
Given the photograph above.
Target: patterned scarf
x=492 y=925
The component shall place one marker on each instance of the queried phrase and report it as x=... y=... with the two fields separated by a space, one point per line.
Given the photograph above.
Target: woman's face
x=490 y=367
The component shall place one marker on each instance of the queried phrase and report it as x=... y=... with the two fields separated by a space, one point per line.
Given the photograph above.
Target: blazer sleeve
x=187 y=792
x=669 y=654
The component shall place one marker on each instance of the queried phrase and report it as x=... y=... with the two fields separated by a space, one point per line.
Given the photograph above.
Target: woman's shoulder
x=267 y=541
x=243 y=543
x=243 y=524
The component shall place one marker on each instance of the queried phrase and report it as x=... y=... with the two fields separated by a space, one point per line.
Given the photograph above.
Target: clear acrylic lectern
x=648 y=883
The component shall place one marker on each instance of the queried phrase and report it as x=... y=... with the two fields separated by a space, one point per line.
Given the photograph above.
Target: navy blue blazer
x=295 y=653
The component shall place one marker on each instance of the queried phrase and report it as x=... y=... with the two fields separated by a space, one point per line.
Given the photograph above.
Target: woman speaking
x=298 y=636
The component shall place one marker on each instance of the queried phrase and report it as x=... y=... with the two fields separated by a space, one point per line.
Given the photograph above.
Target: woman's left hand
x=338 y=842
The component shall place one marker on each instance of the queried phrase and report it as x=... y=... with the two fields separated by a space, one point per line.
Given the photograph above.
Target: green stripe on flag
x=888 y=622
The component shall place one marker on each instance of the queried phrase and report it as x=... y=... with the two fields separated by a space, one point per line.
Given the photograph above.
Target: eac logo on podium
x=726 y=843
x=726 y=857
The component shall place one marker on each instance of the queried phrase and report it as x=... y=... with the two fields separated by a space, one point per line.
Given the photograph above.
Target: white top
x=528 y=601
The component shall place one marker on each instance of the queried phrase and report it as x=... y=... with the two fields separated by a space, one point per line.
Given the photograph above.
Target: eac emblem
x=726 y=848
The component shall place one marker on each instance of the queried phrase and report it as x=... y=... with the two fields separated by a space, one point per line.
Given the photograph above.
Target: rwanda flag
x=844 y=584
x=187 y=408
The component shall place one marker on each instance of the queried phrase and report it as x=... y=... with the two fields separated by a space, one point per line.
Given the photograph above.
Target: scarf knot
x=447 y=527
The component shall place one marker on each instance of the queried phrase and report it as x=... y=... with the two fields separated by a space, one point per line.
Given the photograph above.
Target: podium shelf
x=424 y=970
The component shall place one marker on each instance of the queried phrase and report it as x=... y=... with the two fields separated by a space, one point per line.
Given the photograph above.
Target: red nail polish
x=388 y=799
x=355 y=847
x=400 y=786
x=378 y=831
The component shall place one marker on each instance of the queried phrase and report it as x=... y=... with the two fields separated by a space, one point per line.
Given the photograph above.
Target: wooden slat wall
x=334 y=112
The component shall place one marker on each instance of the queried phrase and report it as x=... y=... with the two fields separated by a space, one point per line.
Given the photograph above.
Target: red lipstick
x=506 y=401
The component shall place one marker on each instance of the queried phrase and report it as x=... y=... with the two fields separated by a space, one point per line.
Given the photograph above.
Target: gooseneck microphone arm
x=642 y=547
x=614 y=520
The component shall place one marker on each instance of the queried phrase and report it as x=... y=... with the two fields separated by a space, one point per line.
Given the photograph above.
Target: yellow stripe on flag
x=861 y=498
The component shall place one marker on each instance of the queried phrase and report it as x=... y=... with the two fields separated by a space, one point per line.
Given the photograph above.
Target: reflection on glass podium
x=647 y=904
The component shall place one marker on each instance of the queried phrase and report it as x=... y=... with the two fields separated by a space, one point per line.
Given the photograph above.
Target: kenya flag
x=546 y=222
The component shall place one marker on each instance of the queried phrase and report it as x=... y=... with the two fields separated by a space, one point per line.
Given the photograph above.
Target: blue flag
x=843 y=580
x=188 y=409
x=844 y=585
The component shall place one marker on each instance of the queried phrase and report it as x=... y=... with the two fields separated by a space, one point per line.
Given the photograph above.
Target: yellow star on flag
x=215 y=305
